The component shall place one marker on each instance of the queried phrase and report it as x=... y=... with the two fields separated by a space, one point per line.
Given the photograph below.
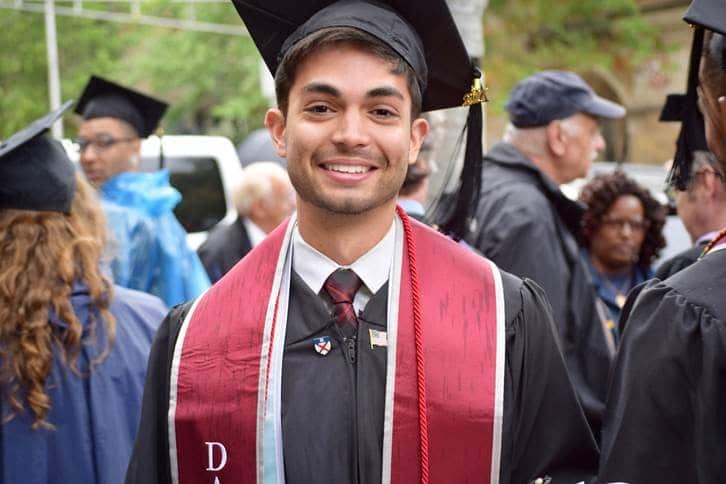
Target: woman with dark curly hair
x=622 y=235
x=73 y=347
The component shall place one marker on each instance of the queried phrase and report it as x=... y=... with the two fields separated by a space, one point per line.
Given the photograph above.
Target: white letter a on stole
x=210 y=454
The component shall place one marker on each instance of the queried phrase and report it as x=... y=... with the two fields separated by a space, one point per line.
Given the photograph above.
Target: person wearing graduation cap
x=73 y=347
x=355 y=345
x=151 y=253
x=664 y=420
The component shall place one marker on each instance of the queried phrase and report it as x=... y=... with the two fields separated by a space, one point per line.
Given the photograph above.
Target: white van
x=205 y=169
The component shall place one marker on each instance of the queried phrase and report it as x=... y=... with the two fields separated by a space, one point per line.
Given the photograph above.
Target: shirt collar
x=706 y=238
x=411 y=206
x=373 y=267
x=255 y=233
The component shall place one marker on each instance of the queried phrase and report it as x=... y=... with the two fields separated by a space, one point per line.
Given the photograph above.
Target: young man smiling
x=354 y=345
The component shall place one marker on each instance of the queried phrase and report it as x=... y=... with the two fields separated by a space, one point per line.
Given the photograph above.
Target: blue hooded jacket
x=96 y=415
x=149 y=248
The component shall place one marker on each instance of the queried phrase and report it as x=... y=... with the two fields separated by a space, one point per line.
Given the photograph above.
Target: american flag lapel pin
x=378 y=338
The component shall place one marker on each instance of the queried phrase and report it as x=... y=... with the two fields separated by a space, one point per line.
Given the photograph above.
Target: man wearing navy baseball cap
x=527 y=226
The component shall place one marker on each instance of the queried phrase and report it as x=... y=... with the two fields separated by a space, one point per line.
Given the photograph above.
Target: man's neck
x=543 y=162
x=344 y=238
x=264 y=225
x=547 y=167
x=716 y=221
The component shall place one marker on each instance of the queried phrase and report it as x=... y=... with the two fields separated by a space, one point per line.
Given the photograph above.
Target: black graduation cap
x=426 y=37
x=105 y=99
x=710 y=14
x=35 y=172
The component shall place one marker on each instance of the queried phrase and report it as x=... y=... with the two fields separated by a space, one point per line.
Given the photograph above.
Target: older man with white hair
x=263 y=199
x=528 y=227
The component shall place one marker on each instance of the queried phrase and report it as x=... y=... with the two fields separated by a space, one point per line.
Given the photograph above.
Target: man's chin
x=97 y=183
x=348 y=206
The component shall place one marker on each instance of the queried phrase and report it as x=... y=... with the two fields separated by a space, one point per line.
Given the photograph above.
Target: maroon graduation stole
x=717 y=243
x=220 y=372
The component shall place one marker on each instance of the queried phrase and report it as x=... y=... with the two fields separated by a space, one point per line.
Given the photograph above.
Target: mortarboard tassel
x=162 y=160
x=458 y=221
x=691 y=137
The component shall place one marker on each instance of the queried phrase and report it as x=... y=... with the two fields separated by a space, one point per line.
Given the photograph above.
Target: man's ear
x=555 y=138
x=275 y=124
x=710 y=185
x=419 y=129
x=722 y=111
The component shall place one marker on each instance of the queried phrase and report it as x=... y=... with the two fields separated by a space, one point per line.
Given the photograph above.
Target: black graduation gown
x=224 y=247
x=666 y=415
x=544 y=431
x=679 y=262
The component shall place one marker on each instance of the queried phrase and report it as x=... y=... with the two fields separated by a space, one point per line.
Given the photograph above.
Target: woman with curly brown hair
x=622 y=235
x=73 y=347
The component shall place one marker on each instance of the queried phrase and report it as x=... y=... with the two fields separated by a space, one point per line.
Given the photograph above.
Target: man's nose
x=599 y=142
x=351 y=129
x=87 y=153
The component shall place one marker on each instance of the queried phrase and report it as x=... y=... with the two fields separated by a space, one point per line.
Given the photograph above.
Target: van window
x=200 y=184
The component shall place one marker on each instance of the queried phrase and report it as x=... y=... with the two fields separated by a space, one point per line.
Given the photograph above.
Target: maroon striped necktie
x=341 y=286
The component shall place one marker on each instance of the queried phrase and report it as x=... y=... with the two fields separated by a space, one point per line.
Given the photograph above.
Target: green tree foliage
x=211 y=80
x=524 y=36
x=84 y=47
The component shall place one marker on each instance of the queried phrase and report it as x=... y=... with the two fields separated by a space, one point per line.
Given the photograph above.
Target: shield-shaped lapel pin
x=322 y=345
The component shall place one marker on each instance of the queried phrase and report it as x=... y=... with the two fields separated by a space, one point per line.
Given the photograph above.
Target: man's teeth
x=347 y=168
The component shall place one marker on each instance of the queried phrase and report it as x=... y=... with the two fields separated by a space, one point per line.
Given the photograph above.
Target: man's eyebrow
x=321 y=88
x=385 y=92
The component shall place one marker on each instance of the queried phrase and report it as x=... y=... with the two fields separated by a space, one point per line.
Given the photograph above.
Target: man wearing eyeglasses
x=148 y=248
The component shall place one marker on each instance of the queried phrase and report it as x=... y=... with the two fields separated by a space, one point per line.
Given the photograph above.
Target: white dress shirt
x=373 y=267
x=255 y=233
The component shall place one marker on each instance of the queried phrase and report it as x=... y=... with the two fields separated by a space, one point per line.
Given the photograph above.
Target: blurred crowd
x=93 y=257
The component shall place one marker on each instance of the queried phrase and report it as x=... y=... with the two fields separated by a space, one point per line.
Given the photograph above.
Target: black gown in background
x=666 y=413
x=544 y=431
x=679 y=262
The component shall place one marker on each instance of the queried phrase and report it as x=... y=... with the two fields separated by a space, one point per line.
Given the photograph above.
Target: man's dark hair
x=334 y=36
x=602 y=191
x=714 y=61
x=415 y=175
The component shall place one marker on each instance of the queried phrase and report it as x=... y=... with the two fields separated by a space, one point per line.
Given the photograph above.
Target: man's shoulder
x=701 y=284
x=142 y=305
x=221 y=234
x=513 y=185
x=511 y=206
x=678 y=262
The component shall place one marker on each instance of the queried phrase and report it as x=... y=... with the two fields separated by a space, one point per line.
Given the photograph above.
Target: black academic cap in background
x=709 y=14
x=35 y=172
x=105 y=99
x=684 y=108
x=423 y=35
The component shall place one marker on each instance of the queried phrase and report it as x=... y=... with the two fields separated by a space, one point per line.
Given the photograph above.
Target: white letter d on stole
x=210 y=454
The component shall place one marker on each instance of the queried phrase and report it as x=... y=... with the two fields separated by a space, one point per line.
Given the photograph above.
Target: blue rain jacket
x=95 y=416
x=149 y=251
